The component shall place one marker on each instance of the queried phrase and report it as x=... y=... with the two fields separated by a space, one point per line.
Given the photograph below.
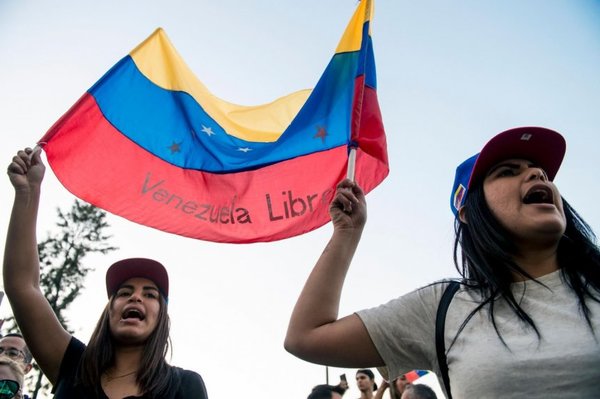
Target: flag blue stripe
x=169 y=123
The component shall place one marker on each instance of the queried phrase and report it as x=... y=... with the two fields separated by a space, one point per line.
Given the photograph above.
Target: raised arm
x=381 y=389
x=44 y=335
x=315 y=333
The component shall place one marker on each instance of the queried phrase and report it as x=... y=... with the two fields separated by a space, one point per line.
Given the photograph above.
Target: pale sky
x=450 y=76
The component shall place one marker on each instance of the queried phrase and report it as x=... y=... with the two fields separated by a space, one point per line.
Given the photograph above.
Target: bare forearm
x=21 y=263
x=316 y=333
x=45 y=336
x=313 y=320
x=319 y=301
x=381 y=391
x=43 y=333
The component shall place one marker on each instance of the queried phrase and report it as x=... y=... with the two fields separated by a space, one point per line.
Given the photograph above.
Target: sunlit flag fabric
x=150 y=143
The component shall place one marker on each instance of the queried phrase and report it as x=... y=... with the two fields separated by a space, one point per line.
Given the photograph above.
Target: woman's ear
x=462 y=214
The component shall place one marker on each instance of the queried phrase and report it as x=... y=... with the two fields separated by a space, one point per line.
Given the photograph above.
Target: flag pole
x=36 y=148
x=351 y=163
x=352 y=154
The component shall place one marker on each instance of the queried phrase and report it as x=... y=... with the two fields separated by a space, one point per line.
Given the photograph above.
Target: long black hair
x=483 y=255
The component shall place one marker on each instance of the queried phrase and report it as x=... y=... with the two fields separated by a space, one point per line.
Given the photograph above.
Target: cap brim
x=125 y=269
x=544 y=147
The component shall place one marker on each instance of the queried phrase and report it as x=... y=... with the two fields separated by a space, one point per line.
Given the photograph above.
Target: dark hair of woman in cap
x=525 y=320
x=482 y=254
x=126 y=355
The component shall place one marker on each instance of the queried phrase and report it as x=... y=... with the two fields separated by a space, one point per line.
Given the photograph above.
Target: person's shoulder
x=76 y=344
x=191 y=384
x=187 y=374
x=69 y=363
x=437 y=288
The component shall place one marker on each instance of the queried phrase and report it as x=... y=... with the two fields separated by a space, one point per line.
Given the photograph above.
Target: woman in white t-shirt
x=526 y=319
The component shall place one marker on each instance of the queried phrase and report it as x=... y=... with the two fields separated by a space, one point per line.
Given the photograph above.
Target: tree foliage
x=80 y=231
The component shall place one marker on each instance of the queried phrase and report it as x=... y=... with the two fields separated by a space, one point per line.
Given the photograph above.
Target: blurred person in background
x=11 y=379
x=418 y=391
x=365 y=381
x=326 y=392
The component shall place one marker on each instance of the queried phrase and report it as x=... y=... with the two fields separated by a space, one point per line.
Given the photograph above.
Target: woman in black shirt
x=125 y=357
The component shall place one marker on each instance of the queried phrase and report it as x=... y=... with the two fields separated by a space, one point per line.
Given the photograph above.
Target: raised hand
x=26 y=170
x=348 y=209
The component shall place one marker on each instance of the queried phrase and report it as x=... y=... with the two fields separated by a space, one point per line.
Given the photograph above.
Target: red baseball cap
x=123 y=270
x=544 y=147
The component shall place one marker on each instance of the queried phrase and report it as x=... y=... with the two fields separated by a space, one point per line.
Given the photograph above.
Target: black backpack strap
x=440 y=322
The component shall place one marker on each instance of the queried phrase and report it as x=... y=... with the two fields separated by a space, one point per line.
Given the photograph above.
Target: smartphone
x=343 y=378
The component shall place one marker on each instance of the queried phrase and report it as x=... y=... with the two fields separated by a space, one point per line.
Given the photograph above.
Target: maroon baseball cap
x=544 y=147
x=123 y=270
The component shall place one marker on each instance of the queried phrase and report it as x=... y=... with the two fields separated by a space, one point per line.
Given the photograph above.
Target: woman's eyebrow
x=146 y=287
x=512 y=165
x=507 y=164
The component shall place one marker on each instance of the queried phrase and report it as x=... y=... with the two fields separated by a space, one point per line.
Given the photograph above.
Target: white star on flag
x=207 y=130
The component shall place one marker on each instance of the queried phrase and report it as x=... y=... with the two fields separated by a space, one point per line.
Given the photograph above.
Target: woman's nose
x=135 y=297
x=537 y=173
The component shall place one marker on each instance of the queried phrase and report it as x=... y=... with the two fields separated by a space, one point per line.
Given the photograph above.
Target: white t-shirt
x=563 y=363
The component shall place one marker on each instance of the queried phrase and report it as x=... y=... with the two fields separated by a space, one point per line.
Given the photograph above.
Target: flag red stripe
x=91 y=158
x=371 y=138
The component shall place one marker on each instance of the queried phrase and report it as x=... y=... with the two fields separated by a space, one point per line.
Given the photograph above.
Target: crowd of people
x=401 y=388
x=526 y=308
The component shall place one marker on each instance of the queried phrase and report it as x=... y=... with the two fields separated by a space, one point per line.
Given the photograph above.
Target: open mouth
x=132 y=314
x=539 y=194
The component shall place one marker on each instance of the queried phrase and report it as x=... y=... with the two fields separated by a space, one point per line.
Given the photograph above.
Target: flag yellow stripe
x=158 y=60
x=352 y=39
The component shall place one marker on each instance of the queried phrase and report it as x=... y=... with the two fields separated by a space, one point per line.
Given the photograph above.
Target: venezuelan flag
x=414 y=375
x=150 y=143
